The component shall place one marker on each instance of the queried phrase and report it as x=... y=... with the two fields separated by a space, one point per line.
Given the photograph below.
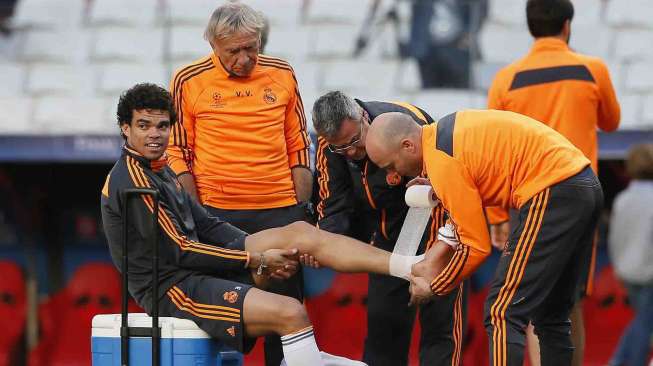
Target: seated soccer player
x=209 y=270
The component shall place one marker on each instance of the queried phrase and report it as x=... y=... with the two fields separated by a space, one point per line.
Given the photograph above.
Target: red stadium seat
x=476 y=349
x=65 y=319
x=339 y=318
x=12 y=312
x=606 y=316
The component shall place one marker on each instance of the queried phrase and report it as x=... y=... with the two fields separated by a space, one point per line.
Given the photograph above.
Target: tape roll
x=420 y=196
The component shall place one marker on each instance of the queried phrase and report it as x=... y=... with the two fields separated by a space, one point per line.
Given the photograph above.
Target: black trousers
x=253 y=221
x=390 y=323
x=540 y=270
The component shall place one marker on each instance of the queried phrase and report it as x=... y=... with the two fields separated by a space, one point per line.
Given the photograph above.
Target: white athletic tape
x=401 y=265
x=412 y=230
x=420 y=200
x=420 y=196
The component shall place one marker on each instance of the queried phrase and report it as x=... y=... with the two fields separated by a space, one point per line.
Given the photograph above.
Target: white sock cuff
x=294 y=340
x=400 y=265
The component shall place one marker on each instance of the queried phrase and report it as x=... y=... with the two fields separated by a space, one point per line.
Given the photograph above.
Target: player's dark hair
x=547 y=17
x=144 y=96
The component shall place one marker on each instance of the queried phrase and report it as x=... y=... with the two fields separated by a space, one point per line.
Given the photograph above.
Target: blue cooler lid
x=108 y=325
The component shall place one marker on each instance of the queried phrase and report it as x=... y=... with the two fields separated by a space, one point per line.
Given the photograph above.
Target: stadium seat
x=586 y=12
x=440 y=102
x=49 y=14
x=309 y=79
x=346 y=301
x=290 y=44
x=591 y=40
x=629 y=45
x=484 y=73
x=616 y=75
x=337 y=12
x=15 y=118
x=508 y=12
x=65 y=319
x=475 y=348
x=12 y=79
x=331 y=42
x=630 y=13
x=71 y=116
x=124 y=12
x=279 y=12
x=608 y=308
x=408 y=77
x=639 y=77
x=648 y=111
x=69 y=47
x=501 y=44
x=115 y=78
x=190 y=12
x=479 y=101
x=13 y=310
x=631 y=108
x=60 y=80
x=128 y=45
x=187 y=44
x=367 y=77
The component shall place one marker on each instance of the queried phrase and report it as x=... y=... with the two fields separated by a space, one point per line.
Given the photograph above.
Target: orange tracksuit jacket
x=569 y=92
x=489 y=158
x=239 y=137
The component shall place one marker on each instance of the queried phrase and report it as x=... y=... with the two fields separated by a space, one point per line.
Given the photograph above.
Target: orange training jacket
x=239 y=137
x=570 y=92
x=485 y=158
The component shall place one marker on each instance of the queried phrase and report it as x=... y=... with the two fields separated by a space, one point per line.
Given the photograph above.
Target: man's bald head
x=394 y=143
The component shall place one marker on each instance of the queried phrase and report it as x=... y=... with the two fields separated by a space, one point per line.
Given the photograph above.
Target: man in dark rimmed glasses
x=355 y=197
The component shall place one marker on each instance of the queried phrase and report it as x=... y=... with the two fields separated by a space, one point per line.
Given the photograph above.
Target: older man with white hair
x=241 y=147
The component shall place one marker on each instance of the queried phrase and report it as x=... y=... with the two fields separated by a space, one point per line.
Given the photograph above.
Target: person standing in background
x=630 y=242
x=241 y=146
x=574 y=96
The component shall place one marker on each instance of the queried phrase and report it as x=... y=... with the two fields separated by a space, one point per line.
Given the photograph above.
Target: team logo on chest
x=269 y=97
x=393 y=179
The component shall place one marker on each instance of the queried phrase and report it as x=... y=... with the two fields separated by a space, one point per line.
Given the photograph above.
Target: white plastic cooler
x=182 y=343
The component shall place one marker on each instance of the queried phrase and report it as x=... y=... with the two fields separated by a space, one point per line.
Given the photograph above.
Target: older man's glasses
x=341 y=149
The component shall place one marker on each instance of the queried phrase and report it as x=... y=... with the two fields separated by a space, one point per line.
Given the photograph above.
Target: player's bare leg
x=532 y=345
x=338 y=252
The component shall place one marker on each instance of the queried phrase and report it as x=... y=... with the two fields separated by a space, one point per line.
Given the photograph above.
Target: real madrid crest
x=230 y=296
x=268 y=96
x=393 y=179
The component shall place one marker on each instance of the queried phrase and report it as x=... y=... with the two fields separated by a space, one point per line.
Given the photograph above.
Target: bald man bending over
x=484 y=158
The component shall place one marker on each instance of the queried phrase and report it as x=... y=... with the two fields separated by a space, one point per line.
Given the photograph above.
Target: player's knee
x=303 y=234
x=292 y=316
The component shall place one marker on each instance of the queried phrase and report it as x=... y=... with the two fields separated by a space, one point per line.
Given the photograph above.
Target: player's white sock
x=400 y=265
x=300 y=349
x=331 y=360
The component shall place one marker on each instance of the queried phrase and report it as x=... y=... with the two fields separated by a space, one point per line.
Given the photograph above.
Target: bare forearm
x=303 y=180
x=334 y=251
